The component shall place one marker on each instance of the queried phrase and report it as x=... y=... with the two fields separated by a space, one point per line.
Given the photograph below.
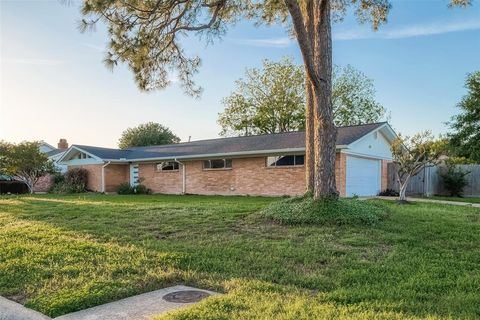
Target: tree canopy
x=25 y=162
x=272 y=99
x=465 y=137
x=147 y=134
x=266 y=100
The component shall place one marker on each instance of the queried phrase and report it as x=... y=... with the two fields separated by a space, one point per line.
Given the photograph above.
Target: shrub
x=305 y=210
x=76 y=179
x=454 y=179
x=126 y=188
x=73 y=181
x=389 y=193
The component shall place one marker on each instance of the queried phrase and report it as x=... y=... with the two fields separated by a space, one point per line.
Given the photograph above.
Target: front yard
x=64 y=253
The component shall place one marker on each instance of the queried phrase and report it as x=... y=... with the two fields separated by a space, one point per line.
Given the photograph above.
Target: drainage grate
x=185 y=296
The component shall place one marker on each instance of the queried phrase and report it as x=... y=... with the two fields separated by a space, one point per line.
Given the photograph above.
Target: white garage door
x=363 y=176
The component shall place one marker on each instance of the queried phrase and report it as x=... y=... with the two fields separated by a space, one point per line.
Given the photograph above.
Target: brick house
x=270 y=164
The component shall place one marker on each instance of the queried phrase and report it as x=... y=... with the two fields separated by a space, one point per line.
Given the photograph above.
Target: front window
x=290 y=160
x=217 y=164
x=167 y=166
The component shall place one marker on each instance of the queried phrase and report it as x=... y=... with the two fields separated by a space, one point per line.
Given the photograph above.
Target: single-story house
x=269 y=164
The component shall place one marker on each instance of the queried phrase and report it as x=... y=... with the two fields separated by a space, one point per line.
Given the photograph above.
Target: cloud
x=408 y=31
x=34 y=61
x=282 y=42
x=95 y=47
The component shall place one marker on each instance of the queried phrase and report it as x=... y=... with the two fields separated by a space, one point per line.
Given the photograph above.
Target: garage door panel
x=362 y=176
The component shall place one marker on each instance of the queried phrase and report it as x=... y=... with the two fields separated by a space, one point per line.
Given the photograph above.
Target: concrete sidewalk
x=10 y=310
x=453 y=203
x=139 y=307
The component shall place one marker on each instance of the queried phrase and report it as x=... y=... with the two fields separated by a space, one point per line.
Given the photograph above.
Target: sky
x=53 y=84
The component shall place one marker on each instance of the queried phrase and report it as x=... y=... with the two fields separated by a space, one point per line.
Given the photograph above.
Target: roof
x=266 y=143
x=55 y=151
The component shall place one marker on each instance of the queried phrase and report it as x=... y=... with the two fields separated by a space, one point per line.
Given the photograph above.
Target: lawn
x=59 y=254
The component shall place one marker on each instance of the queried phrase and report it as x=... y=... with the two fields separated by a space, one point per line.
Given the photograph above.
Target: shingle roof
x=54 y=152
x=224 y=146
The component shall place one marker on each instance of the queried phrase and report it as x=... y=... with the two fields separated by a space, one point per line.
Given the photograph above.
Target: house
x=270 y=164
x=54 y=154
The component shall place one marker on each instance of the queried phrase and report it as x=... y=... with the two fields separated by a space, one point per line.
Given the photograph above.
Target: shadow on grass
x=64 y=256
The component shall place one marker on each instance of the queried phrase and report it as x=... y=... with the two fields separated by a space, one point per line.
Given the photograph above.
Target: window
x=217 y=164
x=82 y=155
x=279 y=161
x=167 y=166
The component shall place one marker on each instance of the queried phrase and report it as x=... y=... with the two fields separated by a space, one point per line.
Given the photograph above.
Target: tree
x=147 y=34
x=353 y=98
x=147 y=134
x=268 y=100
x=25 y=162
x=272 y=99
x=411 y=155
x=465 y=140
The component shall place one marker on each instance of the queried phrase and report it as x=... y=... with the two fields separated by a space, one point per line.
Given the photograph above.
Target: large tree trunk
x=313 y=31
x=309 y=139
x=325 y=130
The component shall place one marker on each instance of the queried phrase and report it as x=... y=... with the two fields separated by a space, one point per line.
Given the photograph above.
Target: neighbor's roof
x=281 y=142
x=56 y=151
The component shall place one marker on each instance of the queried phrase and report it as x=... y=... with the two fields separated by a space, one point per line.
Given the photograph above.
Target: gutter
x=184 y=176
x=103 y=175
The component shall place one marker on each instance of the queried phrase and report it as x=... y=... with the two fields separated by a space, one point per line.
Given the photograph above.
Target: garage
x=363 y=176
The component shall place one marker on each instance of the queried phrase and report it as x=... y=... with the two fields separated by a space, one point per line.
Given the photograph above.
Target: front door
x=133 y=174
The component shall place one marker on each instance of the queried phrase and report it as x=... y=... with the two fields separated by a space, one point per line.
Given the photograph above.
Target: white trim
x=103 y=175
x=362 y=155
x=80 y=150
x=184 y=176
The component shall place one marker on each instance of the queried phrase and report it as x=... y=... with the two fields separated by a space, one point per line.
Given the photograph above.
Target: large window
x=217 y=164
x=281 y=161
x=167 y=166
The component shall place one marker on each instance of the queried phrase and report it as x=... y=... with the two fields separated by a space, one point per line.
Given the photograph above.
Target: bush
x=73 y=181
x=388 y=193
x=126 y=188
x=305 y=210
x=454 y=179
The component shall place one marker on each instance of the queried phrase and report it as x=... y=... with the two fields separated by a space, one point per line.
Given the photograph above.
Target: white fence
x=429 y=182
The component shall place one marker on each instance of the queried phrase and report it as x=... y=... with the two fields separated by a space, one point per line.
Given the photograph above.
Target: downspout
x=184 y=176
x=103 y=175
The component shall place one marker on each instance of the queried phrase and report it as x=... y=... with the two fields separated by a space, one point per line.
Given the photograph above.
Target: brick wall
x=94 y=182
x=341 y=173
x=115 y=174
x=43 y=184
x=384 y=179
x=247 y=176
x=160 y=181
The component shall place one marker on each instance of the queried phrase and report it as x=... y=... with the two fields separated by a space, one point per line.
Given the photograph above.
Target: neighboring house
x=270 y=164
x=54 y=154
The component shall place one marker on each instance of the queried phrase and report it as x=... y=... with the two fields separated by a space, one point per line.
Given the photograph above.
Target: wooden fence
x=428 y=181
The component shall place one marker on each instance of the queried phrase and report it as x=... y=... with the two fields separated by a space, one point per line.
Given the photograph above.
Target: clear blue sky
x=53 y=83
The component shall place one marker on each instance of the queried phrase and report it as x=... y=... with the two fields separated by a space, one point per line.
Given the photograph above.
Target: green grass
x=306 y=211
x=59 y=254
x=465 y=199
